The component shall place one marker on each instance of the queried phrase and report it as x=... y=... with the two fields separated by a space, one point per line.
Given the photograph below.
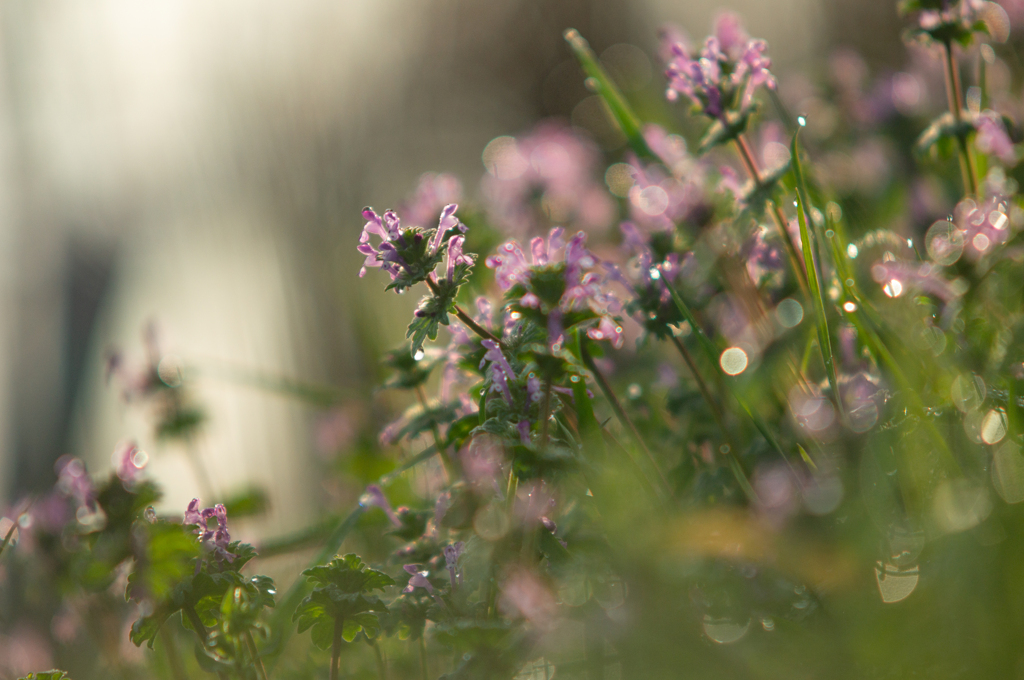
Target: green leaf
x=813 y=279
x=47 y=675
x=607 y=90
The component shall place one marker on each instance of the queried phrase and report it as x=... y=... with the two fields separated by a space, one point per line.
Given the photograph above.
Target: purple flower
x=730 y=62
x=548 y=176
x=452 y=553
x=418 y=579
x=607 y=329
x=455 y=256
x=764 y=259
x=374 y=497
x=385 y=256
x=211 y=526
x=501 y=371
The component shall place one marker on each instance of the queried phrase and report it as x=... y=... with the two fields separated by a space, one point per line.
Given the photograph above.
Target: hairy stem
x=200 y=629
x=257 y=662
x=624 y=420
x=956 y=108
x=442 y=451
x=10 y=533
x=780 y=220
x=545 y=414
x=339 y=627
x=465 y=318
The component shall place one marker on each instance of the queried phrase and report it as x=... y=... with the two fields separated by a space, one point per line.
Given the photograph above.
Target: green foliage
x=47 y=675
x=342 y=596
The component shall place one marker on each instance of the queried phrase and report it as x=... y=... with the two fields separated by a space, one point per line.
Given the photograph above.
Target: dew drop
x=801 y=121
x=655 y=273
x=733 y=361
x=418 y=355
x=852 y=251
x=724 y=631
x=895 y=584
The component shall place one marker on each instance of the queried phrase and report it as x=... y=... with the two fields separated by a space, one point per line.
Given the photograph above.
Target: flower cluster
x=723 y=76
x=211 y=526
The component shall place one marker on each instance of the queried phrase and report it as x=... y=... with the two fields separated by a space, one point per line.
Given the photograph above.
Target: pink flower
x=211 y=525
x=992 y=138
x=418 y=579
x=129 y=462
x=548 y=176
x=374 y=497
x=433 y=193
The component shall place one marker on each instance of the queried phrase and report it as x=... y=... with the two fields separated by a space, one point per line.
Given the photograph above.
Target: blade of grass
x=813 y=279
x=603 y=85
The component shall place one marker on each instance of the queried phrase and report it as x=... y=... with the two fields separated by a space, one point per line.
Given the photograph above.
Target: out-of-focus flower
x=545 y=177
x=418 y=579
x=555 y=287
x=129 y=461
x=482 y=463
x=434 y=192
x=452 y=553
x=74 y=481
x=898 y=276
x=211 y=525
x=993 y=139
x=984 y=225
x=764 y=259
x=523 y=595
x=501 y=371
x=375 y=498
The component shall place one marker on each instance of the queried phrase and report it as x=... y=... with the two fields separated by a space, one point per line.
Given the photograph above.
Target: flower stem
x=545 y=415
x=780 y=220
x=200 y=630
x=10 y=533
x=423 y=658
x=956 y=108
x=339 y=627
x=465 y=318
x=257 y=662
x=382 y=669
x=623 y=418
x=442 y=451
x=171 y=651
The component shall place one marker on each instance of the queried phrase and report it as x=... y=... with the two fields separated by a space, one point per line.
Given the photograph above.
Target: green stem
x=599 y=82
x=423 y=658
x=780 y=220
x=814 y=278
x=382 y=668
x=545 y=414
x=10 y=533
x=171 y=651
x=624 y=420
x=339 y=627
x=734 y=461
x=257 y=662
x=956 y=108
x=200 y=630
x=465 y=318
x=442 y=451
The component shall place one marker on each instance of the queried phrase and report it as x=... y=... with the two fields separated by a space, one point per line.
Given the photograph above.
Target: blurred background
x=201 y=167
